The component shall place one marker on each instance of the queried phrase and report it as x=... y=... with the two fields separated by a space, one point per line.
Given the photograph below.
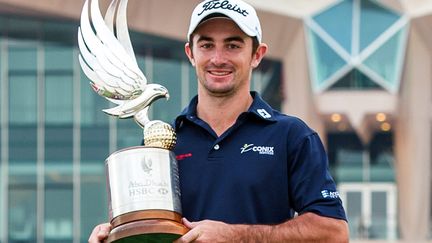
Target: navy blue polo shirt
x=260 y=171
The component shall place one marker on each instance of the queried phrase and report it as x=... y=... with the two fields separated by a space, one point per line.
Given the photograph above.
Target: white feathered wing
x=108 y=60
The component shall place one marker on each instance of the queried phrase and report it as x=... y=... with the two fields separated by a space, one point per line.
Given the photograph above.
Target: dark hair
x=255 y=45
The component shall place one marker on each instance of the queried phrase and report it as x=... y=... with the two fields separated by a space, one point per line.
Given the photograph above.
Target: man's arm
x=308 y=227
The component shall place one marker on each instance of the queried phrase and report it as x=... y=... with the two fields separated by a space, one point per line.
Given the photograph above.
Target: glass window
x=22 y=57
x=371 y=210
x=351 y=161
x=374 y=20
x=345 y=153
x=60 y=32
x=128 y=133
x=22 y=28
x=94 y=143
x=355 y=25
x=167 y=73
x=379 y=227
x=325 y=61
x=22 y=212
x=58 y=58
x=341 y=31
x=264 y=75
x=271 y=91
x=58 y=144
x=87 y=102
x=357 y=225
x=382 y=158
x=58 y=85
x=22 y=144
x=22 y=183
x=94 y=148
x=387 y=60
x=59 y=209
x=3 y=21
x=355 y=80
x=22 y=99
x=58 y=99
x=94 y=200
x=22 y=85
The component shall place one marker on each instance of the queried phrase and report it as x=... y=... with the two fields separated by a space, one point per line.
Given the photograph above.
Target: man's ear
x=259 y=54
x=189 y=53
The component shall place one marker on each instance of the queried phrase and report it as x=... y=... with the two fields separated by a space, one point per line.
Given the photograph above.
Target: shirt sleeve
x=311 y=187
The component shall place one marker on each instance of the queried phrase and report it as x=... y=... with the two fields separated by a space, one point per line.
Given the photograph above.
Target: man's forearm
x=308 y=227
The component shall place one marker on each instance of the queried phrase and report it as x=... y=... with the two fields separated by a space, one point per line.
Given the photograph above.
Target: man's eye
x=233 y=46
x=206 y=45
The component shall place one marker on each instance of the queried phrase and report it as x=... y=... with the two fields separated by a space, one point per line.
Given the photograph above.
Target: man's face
x=222 y=56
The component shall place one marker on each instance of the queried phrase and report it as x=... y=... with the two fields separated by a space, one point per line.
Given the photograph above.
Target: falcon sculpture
x=108 y=60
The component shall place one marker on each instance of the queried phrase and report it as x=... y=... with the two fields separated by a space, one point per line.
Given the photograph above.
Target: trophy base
x=147 y=231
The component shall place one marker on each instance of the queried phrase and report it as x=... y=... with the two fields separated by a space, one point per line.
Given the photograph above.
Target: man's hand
x=207 y=231
x=100 y=233
x=308 y=227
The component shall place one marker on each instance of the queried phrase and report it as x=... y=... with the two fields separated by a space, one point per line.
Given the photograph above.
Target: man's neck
x=222 y=112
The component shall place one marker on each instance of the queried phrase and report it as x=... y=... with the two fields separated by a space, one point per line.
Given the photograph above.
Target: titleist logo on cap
x=216 y=4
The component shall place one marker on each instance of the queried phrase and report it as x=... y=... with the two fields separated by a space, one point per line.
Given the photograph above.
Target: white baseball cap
x=243 y=14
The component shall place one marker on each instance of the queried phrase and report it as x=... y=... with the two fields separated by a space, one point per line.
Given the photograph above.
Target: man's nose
x=219 y=56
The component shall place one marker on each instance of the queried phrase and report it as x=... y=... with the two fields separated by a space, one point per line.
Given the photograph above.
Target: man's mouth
x=219 y=73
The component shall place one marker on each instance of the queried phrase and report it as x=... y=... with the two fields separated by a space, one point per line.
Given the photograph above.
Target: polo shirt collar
x=259 y=108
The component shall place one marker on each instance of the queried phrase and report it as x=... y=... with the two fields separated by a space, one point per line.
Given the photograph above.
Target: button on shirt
x=260 y=171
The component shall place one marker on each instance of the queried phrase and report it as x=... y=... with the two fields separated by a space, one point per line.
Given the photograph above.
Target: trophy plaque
x=142 y=181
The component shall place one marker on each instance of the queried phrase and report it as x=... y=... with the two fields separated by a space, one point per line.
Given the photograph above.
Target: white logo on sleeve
x=329 y=194
x=257 y=149
x=264 y=113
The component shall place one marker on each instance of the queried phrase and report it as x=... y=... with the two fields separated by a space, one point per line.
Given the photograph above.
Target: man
x=244 y=167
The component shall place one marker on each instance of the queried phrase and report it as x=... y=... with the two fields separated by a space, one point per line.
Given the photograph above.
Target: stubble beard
x=216 y=88
x=225 y=90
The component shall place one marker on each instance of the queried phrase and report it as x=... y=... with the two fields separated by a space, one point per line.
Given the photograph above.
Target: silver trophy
x=143 y=183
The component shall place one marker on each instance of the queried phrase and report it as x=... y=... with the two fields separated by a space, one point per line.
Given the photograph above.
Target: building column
x=413 y=142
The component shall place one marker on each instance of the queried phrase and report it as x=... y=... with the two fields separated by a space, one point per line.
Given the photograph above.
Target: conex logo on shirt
x=258 y=149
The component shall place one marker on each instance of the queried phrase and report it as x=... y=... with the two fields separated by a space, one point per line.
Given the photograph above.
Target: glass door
x=371 y=209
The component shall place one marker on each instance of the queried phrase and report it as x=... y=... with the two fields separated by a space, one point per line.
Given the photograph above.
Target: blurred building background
x=358 y=71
